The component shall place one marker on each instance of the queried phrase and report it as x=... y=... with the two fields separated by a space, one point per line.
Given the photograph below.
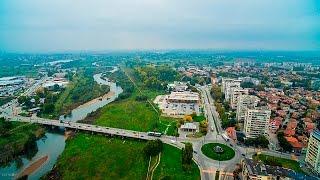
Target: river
x=53 y=144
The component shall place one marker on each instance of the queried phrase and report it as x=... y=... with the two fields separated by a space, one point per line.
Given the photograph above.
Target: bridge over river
x=97 y=129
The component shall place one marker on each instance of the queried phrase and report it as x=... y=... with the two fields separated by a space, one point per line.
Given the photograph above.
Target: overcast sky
x=70 y=25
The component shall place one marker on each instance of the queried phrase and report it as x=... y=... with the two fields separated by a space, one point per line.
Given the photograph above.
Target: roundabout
x=217 y=151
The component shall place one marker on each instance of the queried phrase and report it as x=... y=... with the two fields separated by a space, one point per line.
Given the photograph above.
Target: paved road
x=207 y=166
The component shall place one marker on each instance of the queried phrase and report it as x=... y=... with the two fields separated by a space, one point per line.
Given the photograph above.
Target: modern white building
x=246 y=102
x=313 y=152
x=256 y=122
x=235 y=94
x=228 y=85
x=179 y=104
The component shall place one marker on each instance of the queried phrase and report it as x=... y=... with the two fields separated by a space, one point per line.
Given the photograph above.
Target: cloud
x=59 y=25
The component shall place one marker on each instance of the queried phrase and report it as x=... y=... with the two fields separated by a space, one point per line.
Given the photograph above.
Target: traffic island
x=217 y=151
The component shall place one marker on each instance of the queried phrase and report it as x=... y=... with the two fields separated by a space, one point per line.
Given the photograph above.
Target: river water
x=53 y=144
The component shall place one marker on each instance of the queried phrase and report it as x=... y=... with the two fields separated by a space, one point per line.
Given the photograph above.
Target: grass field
x=276 y=161
x=97 y=157
x=228 y=153
x=134 y=115
x=170 y=166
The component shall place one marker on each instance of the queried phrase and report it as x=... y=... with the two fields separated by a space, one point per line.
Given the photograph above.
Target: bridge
x=97 y=129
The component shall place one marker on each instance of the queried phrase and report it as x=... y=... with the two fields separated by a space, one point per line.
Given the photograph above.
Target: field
x=276 y=161
x=135 y=115
x=228 y=153
x=170 y=166
x=129 y=113
x=98 y=157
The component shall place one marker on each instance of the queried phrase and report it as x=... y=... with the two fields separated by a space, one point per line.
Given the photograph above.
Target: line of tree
x=260 y=141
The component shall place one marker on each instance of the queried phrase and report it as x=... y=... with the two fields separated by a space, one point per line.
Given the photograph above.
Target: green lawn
x=170 y=166
x=97 y=157
x=276 y=161
x=134 y=115
x=199 y=118
x=228 y=153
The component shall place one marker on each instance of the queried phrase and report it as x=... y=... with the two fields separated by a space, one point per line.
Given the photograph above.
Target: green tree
x=153 y=147
x=187 y=155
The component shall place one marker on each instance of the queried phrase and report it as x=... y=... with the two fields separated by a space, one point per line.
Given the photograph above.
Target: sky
x=97 y=25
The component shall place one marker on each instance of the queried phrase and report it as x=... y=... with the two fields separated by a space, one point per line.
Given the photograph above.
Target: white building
x=313 y=152
x=179 y=104
x=246 y=102
x=256 y=122
x=235 y=94
x=177 y=86
x=228 y=85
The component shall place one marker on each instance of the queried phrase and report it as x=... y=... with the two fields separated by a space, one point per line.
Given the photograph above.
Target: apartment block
x=235 y=94
x=246 y=102
x=228 y=85
x=256 y=122
x=313 y=152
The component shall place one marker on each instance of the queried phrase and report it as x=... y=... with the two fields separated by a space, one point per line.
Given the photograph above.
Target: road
x=208 y=167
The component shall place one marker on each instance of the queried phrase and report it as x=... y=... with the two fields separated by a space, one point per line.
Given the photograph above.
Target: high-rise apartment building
x=228 y=85
x=313 y=152
x=246 y=102
x=235 y=94
x=256 y=122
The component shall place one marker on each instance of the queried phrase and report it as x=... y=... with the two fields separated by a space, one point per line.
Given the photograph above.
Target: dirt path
x=34 y=166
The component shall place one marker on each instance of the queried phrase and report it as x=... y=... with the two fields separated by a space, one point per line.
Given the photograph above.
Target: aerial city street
x=159 y=90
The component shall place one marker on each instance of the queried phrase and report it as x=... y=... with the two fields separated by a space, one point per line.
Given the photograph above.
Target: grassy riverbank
x=130 y=112
x=18 y=139
x=97 y=157
x=82 y=89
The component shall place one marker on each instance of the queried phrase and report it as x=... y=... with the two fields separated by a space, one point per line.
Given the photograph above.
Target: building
x=246 y=102
x=256 y=170
x=256 y=122
x=177 y=86
x=235 y=94
x=228 y=85
x=179 y=104
x=189 y=127
x=313 y=152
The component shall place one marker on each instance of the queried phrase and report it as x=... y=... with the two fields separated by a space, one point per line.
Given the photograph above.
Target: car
x=195 y=152
x=243 y=155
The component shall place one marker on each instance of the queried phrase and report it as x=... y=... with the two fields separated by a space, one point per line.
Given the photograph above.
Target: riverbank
x=19 y=140
x=33 y=166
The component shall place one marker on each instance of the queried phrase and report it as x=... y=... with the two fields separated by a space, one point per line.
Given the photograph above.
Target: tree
x=188 y=118
x=153 y=147
x=4 y=127
x=285 y=145
x=187 y=155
